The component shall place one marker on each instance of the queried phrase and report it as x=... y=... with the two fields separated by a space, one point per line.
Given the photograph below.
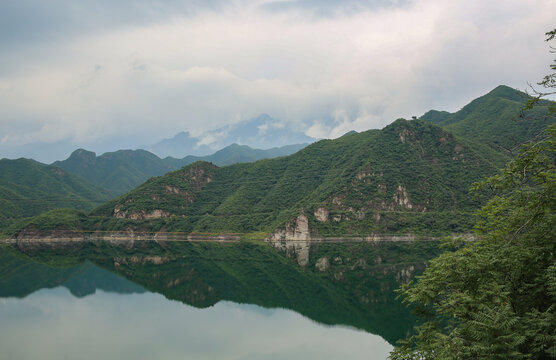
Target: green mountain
x=494 y=119
x=28 y=188
x=412 y=176
x=123 y=170
x=235 y=153
x=117 y=171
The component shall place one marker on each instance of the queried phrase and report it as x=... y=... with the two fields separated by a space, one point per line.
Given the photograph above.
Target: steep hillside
x=117 y=171
x=123 y=170
x=28 y=188
x=494 y=119
x=412 y=176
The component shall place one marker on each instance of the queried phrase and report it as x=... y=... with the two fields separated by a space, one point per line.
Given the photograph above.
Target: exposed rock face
x=172 y=189
x=139 y=215
x=197 y=176
x=457 y=154
x=140 y=260
x=406 y=274
x=294 y=240
x=401 y=197
x=406 y=135
x=322 y=264
x=363 y=174
x=299 y=231
x=293 y=248
x=58 y=171
x=118 y=213
x=321 y=214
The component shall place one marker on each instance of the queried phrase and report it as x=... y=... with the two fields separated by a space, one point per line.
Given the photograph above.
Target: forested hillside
x=412 y=176
x=496 y=119
x=28 y=188
x=123 y=170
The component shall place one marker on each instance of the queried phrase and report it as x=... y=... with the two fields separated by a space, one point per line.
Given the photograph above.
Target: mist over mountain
x=261 y=132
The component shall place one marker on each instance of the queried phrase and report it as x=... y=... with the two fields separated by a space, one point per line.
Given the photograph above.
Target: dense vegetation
x=412 y=176
x=28 y=188
x=497 y=119
x=496 y=298
x=123 y=170
x=117 y=171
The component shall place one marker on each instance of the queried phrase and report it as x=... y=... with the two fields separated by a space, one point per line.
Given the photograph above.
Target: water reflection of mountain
x=348 y=284
x=19 y=278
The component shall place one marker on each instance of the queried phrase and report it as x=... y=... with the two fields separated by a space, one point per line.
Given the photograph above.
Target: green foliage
x=495 y=298
x=28 y=188
x=123 y=170
x=57 y=219
x=234 y=154
x=411 y=176
x=498 y=119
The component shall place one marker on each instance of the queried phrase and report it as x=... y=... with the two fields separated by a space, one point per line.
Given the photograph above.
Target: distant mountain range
x=411 y=176
x=122 y=170
x=262 y=132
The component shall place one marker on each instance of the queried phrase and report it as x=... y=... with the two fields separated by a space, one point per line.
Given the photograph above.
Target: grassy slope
x=28 y=188
x=494 y=119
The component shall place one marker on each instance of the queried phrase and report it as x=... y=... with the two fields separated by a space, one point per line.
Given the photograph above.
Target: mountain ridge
x=253 y=132
x=122 y=170
x=29 y=188
x=351 y=179
x=496 y=119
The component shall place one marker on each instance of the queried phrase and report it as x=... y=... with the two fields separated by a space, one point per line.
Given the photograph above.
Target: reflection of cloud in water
x=52 y=324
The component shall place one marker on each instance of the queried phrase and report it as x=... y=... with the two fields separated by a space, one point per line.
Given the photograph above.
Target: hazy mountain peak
x=83 y=155
x=507 y=92
x=260 y=132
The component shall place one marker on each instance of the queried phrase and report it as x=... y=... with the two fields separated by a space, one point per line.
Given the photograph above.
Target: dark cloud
x=86 y=72
x=26 y=21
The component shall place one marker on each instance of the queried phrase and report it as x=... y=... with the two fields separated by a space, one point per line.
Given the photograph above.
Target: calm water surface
x=54 y=324
x=93 y=305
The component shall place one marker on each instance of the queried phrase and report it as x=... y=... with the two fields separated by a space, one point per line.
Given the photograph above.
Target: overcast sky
x=112 y=74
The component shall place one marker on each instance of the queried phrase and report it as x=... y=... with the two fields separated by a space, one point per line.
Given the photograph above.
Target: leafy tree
x=496 y=298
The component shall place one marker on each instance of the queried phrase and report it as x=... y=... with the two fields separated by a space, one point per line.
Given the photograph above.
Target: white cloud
x=361 y=69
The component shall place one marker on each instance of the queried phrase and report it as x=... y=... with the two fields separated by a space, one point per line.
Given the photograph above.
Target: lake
x=198 y=301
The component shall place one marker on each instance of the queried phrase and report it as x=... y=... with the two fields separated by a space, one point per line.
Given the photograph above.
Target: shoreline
x=120 y=237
